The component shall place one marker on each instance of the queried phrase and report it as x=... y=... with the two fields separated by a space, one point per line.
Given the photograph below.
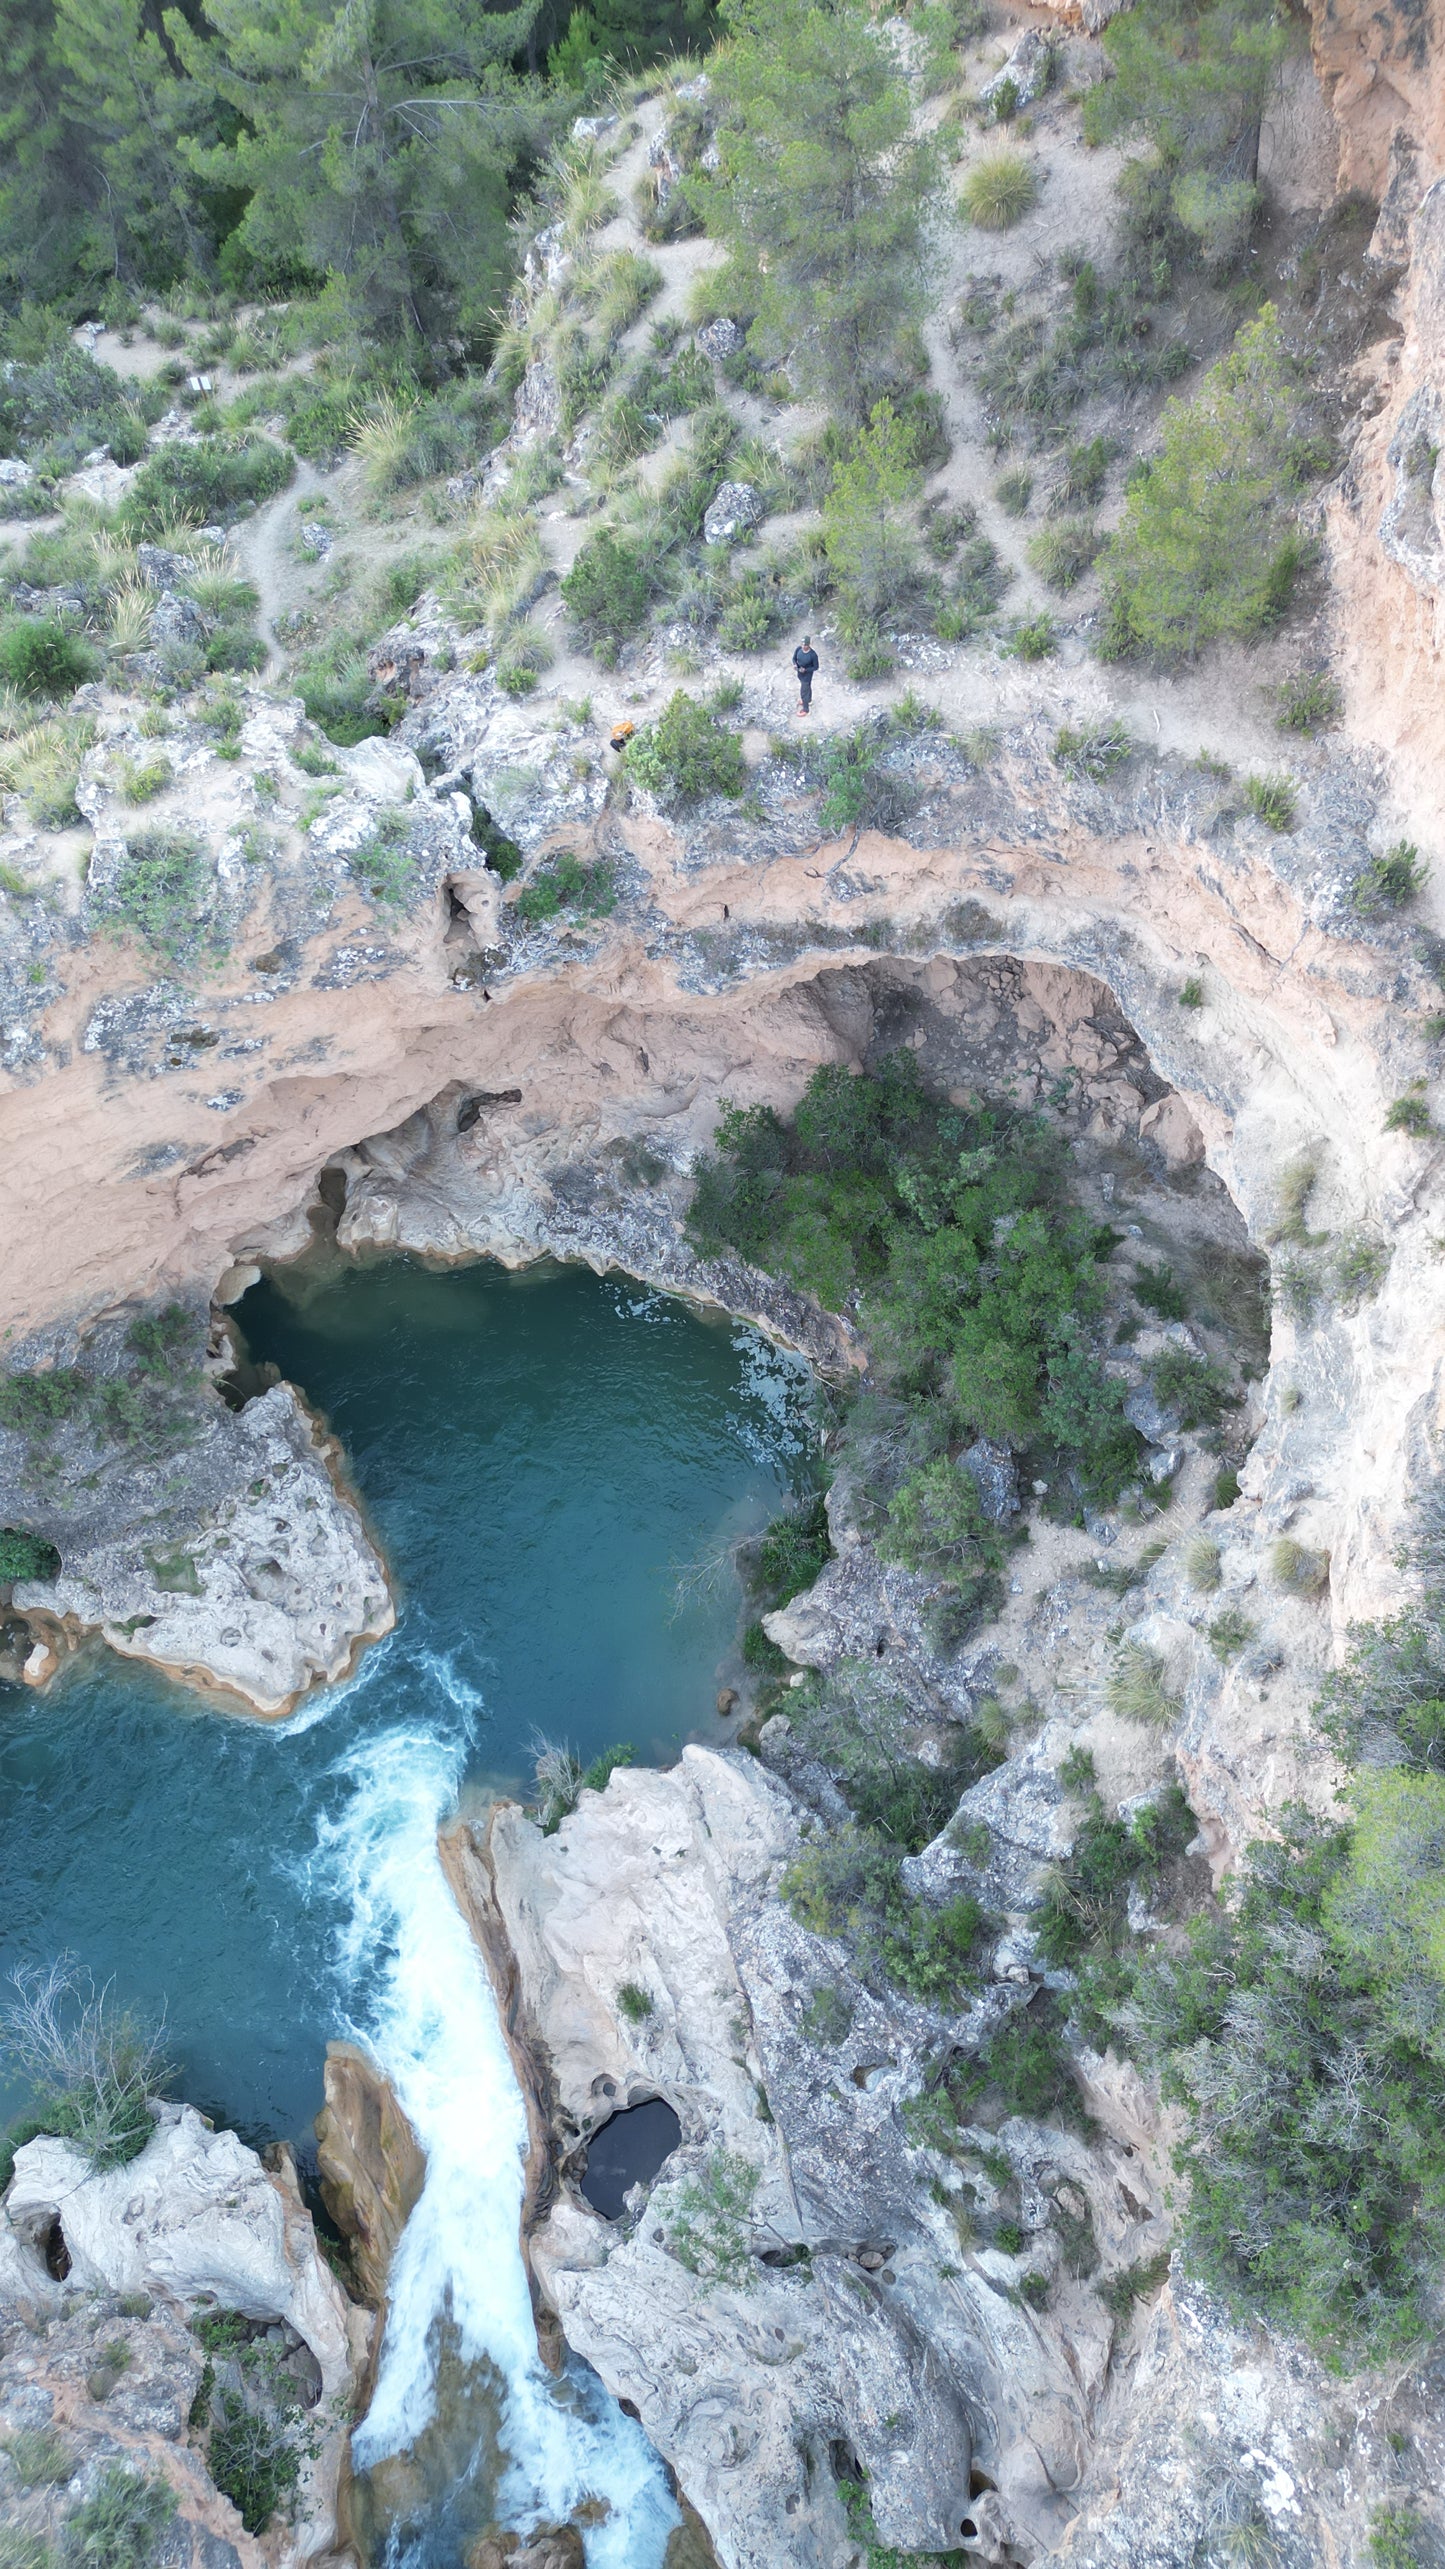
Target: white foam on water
x=419 y=1999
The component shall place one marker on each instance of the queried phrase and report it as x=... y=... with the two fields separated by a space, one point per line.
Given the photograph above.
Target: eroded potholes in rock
x=629 y=2150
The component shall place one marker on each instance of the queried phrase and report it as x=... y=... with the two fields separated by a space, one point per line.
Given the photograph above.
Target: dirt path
x=263 y=546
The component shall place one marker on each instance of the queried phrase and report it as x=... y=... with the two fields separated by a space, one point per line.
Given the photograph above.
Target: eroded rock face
x=194 y=2223
x=875 y=2341
x=372 y=2166
x=258 y=1578
x=195 y=2218
x=1017 y=2429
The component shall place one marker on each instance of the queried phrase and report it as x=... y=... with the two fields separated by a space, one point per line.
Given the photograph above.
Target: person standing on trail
x=805 y=661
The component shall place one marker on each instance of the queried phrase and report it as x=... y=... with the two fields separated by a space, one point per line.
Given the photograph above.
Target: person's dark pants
x=805 y=683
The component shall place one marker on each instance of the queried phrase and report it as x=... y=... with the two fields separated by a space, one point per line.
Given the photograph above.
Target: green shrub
x=1302 y=1572
x=792 y=1552
x=871 y=543
x=253 y=2462
x=1081 y=483
x=1120 y=2291
x=1391 y=881
x=998 y=191
x=93 y=2070
x=710 y=2229
x=1189 y=1387
x=385 y=864
x=26 y=1556
x=851 y=1886
x=634 y=2003
x=1397 y=2537
x=1061 y=554
x=139 y=782
x=1033 y=638
x=122 y=2524
x=1085 y=1904
x=1230 y=1633
x=687 y=753
x=827 y=2017
x=1013 y=491
x=564 y=882
x=753 y=615
x=936 y=1525
x=1309 y=703
x=1091 y=749
x=1136 y=1688
x=1410 y=1115
x=41 y=658
x=42 y=2459
x=1204 y=551
x=209 y=481
x=952 y=1233
x=1315 y=2147
x=1160 y=1291
x=609 y=589
x=1272 y=800
x=761 y=1654
x=1191 y=992
x=160 y=892
x=1201 y=1564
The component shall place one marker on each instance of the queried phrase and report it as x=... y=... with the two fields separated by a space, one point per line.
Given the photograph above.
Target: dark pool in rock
x=556 y=1465
x=629 y=2150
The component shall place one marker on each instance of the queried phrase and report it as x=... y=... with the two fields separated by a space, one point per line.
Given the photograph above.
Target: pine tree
x=1203 y=550
x=378 y=142
x=872 y=546
x=823 y=193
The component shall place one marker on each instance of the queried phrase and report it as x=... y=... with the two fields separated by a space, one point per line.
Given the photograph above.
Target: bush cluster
x=687 y=753
x=208 y=480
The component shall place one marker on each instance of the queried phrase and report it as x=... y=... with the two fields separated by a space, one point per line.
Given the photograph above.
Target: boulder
x=1028 y=70
x=736 y=509
x=721 y=338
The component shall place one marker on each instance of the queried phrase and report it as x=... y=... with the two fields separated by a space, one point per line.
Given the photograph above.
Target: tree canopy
x=823 y=193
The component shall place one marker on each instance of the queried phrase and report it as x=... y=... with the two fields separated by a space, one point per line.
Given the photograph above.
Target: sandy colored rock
x=372 y=2167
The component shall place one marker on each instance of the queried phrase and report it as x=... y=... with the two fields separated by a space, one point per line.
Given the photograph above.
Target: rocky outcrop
x=195 y=2219
x=194 y=2225
x=372 y=2166
x=847 y=2323
x=91 y=2384
x=238 y=1563
x=858 y=2320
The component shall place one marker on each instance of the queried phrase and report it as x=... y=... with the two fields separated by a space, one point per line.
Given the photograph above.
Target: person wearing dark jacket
x=805 y=661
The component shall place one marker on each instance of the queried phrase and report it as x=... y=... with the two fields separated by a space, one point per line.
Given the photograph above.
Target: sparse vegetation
x=1093 y=750
x=93 y=2070
x=1137 y=1690
x=1391 y=881
x=564 y=884
x=998 y=191
x=160 y=891
x=634 y=2003
x=122 y=2524
x=1309 y=703
x=1272 y=800
x=711 y=2220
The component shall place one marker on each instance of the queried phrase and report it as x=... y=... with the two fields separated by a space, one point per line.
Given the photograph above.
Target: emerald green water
x=548 y=1459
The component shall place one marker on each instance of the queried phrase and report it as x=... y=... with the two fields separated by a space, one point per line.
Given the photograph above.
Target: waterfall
x=417 y=1996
